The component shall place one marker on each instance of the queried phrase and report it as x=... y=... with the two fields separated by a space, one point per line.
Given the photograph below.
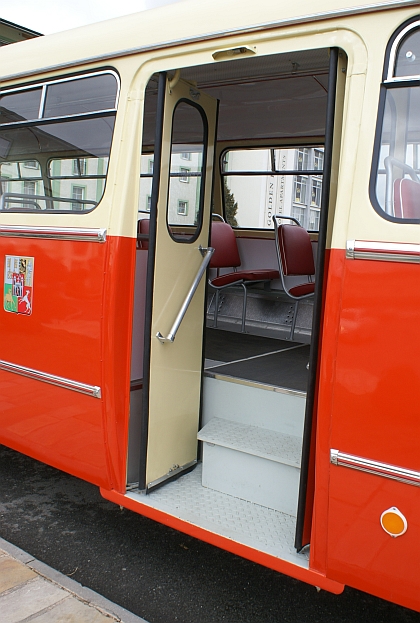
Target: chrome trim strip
x=52 y=379
x=383 y=251
x=350 y=249
x=54 y=233
x=393 y=472
x=391 y=66
x=311 y=17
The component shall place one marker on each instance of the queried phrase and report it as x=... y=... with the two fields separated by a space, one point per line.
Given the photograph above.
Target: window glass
x=61 y=163
x=79 y=178
x=20 y=106
x=258 y=183
x=185 y=197
x=146 y=178
x=399 y=154
x=81 y=96
x=408 y=56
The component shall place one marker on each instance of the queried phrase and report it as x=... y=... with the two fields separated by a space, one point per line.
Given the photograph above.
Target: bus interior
x=268 y=159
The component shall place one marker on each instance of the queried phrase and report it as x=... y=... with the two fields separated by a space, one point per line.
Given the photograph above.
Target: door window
x=185 y=196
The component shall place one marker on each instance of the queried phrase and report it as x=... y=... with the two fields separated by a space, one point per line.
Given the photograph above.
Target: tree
x=231 y=207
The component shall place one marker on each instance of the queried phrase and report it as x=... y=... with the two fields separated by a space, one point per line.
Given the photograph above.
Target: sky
x=49 y=16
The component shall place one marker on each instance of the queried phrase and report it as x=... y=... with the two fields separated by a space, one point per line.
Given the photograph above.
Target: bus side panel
x=62 y=337
x=376 y=415
x=117 y=343
x=53 y=425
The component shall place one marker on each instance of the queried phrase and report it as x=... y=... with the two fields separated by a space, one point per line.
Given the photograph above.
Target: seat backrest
x=142 y=228
x=295 y=250
x=223 y=241
x=406 y=199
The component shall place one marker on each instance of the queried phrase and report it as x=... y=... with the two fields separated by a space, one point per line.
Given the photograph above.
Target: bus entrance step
x=251 y=463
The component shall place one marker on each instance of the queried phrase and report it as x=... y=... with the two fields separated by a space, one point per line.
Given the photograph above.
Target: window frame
x=172 y=176
x=44 y=120
x=307 y=173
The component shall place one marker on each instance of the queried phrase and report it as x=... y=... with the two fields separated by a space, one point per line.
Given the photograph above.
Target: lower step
x=253 y=464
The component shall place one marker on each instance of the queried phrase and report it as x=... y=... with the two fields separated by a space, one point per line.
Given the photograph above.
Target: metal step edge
x=272 y=388
x=216 y=438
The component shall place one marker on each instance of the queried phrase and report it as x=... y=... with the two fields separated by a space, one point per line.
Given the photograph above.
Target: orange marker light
x=393 y=522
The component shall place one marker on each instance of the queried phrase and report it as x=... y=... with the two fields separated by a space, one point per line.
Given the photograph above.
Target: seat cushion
x=303 y=289
x=245 y=276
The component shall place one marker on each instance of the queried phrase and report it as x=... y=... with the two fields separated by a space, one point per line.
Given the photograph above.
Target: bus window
x=395 y=183
x=55 y=141
x=258 y=183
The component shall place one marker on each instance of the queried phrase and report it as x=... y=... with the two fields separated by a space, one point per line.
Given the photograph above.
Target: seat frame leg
x=244 y=308
x=216 y=309
x=292 y=331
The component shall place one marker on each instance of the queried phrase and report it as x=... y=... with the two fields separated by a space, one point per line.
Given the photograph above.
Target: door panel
x=183 y=218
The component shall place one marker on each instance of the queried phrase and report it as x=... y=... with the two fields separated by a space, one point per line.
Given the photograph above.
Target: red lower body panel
x=368 y=408
x=79 y=329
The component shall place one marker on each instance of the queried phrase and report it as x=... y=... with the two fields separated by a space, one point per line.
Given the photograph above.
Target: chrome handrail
x=206 y=253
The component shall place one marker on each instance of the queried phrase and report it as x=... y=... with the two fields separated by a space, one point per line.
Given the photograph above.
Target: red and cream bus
x=210 y=247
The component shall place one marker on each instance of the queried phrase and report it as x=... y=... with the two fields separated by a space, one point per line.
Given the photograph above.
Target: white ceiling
x=275 y=96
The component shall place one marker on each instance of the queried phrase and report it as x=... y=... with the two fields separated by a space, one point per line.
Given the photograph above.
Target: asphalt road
x=152 y=570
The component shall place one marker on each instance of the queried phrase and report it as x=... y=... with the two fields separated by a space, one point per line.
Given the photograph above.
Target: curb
x=81 y=592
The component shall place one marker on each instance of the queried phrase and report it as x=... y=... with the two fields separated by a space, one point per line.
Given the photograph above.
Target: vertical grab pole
x=144 y=426
x=318 y=302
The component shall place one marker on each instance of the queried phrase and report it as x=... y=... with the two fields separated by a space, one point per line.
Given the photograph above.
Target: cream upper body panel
x=167 y=38
x=173 y=23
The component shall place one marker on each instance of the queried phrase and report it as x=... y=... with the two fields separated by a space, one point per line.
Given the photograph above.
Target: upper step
x=264 y=443
x=253 y=404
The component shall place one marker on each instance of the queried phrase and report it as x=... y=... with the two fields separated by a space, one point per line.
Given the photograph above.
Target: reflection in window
x=300 y=189
x=77 y=193
x=182 y=207
x=318 y=160
x=298 y=214
x=302 y=159
x=314 y=220
x=184 y=177
x=316 y=193
x=29 y=188
x=79 y=167
x=258 y=183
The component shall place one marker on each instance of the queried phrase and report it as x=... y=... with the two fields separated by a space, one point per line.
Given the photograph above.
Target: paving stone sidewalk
x=32 y=592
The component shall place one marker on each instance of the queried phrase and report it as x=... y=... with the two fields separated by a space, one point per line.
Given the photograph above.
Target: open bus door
x=178 y=256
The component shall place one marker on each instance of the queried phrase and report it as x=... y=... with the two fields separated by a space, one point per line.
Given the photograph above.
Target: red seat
x=143 y=233
x=406 y=199
x=226 y=255
x=295 y=256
